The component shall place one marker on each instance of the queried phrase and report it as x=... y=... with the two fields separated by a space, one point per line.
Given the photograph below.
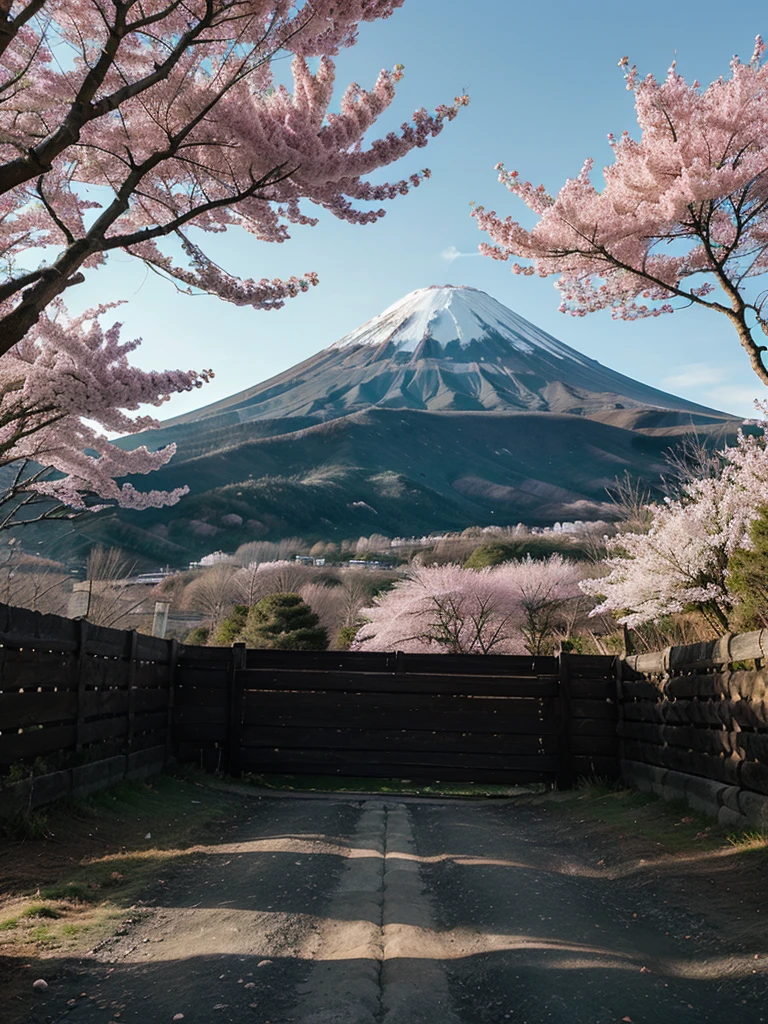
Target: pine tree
x=748 y=576
x=284 y=622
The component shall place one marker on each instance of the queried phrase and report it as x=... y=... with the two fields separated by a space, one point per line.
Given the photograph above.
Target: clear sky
x=545 y=90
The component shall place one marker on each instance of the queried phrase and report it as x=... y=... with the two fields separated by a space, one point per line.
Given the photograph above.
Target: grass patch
x=9 y=924
x=749 y=839
x=76 y=892
x=70 y=930
x=43 y=936
x=670 y=824
x=42 y=910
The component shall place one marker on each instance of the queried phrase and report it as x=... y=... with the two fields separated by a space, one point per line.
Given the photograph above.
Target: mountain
x=445 y=349
x=444 y=411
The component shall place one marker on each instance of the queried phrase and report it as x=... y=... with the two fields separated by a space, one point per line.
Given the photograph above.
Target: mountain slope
x=398 y=472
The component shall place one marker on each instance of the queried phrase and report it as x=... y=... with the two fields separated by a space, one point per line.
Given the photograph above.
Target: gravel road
x=344 y=911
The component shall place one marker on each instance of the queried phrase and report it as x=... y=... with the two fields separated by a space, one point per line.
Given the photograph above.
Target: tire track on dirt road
x=373 y=962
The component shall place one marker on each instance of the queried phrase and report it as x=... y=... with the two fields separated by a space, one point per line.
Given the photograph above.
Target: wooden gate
x=451 y=718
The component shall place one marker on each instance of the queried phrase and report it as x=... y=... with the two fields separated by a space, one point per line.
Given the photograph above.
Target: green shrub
x=26 y=825
x=41 y=910
x=537 y=547
x=345 y=636
x=284 y=622
x=230 y=628
x=198 y=636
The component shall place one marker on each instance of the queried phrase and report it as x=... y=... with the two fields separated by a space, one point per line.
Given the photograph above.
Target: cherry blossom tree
x=124 y=123
x=504 y=609
x=62 y=388
x=682 y=219
x=542 y=587
x=682 y=560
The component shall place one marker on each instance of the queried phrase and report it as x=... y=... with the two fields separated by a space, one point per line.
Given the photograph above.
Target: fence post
x=78 y=677
x=565 y=773
x=133 y=644
x=235 y=720
x=627 y=640
x=173 y=657
x=620 y=712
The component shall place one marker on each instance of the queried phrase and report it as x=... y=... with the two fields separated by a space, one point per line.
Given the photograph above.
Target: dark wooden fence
x=693 y=722
x=82 y=706
x=458 y=718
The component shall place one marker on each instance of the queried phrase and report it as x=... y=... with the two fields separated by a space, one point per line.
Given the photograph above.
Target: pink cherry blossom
x=682 y=218
x=682 y=560
x=62 y=389
x=505 y=609
x=124 y=123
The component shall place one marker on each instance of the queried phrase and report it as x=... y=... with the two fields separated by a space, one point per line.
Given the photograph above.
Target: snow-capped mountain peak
x=448 y=349
x=450 y=314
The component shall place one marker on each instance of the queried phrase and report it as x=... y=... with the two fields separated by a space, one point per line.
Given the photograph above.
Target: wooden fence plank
x=200 y=734
x=374 y=661
x=235 y=709
x=153 y=648
x=400 y=683
x=214 y=715
x=565 y=775
x=594 y=709
x=33 y=669
x=593 y=689
x=326 y=716
x=414 y=773
x=35 y=708
x=604 y=746
x=293 y=738
x=36 y=743
x=79 y=678
x=151 y=721
x=173 y=654
x=131 y=654
x=104 y=702
x=188 y=678
x=595 y=766
x=348 y=705
x=199 y=696
x=365 y=763
x=102 y=729
x=546 y=764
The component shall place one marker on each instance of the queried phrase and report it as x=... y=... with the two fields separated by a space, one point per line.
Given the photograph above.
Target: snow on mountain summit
x=446 y=314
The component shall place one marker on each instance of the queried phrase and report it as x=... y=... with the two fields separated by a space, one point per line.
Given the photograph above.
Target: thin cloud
x=452 y=253
x=738 y=397
x=695 y=376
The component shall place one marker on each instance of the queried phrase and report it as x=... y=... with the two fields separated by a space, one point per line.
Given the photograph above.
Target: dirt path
x=357 y=912
x=540 y=923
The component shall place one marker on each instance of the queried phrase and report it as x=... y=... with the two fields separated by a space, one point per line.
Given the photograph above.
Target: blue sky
x=545 y=90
